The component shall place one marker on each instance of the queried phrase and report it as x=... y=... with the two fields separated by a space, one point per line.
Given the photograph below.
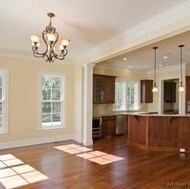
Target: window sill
x=4 y=134
x=51 y=129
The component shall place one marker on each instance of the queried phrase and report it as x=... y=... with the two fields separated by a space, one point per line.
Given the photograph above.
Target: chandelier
x=50 y=38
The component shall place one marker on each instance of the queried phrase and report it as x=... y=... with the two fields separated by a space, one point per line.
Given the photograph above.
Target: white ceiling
x=142 y=59
x=88 y=24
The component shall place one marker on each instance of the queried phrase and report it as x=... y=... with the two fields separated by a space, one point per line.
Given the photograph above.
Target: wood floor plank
x=139 y=169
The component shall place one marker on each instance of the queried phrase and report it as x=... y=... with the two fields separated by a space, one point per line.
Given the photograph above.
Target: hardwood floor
x=58 y=168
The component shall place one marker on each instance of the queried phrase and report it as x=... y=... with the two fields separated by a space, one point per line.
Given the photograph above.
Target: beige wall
x=23 y=99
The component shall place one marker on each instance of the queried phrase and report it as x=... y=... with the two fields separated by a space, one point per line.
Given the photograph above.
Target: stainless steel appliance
x=188 y=107
x=96 y=127
x=121 y=124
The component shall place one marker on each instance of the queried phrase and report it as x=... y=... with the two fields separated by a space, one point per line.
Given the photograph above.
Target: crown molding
x=123 y=70
x=125 y=42
x=158 y=70
x=29 y=56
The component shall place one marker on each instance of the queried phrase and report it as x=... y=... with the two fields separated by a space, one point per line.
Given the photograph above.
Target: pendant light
x=155 y=89
x=181 y=87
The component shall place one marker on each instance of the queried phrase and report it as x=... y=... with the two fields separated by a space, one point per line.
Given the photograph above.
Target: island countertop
x=141 y=114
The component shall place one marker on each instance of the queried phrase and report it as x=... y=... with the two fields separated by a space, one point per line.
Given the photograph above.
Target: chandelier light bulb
x=35 y=38
x=61 y=47
x=38 y=44
x=65 y=42
x=51 y=37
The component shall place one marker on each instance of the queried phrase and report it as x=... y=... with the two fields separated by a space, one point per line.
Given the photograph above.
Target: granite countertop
x=142 y=114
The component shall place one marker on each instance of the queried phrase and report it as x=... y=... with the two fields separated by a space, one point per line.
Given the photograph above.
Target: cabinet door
x=98 y=89
x=108 y=126
x=187 y=89
x=110 y=90
x=146 y=91
x=103 y=89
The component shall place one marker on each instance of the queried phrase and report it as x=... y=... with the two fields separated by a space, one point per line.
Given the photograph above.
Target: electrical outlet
x=182 y=149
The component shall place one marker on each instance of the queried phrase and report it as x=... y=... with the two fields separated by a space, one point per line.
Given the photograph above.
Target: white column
x=88 y=103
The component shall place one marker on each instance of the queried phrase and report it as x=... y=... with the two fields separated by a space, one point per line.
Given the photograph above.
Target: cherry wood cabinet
x=103 y=89
x=108 y=126
x=146 y=91
x=187 y=89
x=169 y=92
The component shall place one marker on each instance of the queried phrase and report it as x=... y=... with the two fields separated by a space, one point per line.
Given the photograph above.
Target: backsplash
x=102 y=109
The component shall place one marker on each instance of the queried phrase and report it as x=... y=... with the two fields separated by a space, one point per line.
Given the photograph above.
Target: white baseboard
x=35 y=141
x=77 y=139
x=21 y=143
x=87 y=142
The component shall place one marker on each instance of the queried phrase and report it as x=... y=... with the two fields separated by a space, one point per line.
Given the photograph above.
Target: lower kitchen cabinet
x=108 y=126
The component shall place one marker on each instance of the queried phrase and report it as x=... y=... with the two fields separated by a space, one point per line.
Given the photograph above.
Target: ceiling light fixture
x=181 y=87
x=50 y=38
x=155 y=89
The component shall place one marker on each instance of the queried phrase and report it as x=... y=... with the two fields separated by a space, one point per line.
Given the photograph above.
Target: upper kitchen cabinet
x=170 y=92
x=146 y=91
x=103 y=89
x=187 y=89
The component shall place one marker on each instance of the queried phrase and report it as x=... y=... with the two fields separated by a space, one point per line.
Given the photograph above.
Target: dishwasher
x=121 y=124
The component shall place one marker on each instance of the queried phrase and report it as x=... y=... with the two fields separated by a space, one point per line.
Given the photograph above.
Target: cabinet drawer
x=106 y=118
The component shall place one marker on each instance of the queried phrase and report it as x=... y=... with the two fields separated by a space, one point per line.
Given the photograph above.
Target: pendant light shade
x=181 y=87
x=154 y=89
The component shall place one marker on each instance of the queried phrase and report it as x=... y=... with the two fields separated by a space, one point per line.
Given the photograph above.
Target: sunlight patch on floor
x=99 y=157
x=14 y=173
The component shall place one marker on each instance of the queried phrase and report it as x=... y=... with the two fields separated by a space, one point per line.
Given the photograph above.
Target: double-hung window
x=126 y=95
x=133 y=94
x=53 y=101
x=3 y=101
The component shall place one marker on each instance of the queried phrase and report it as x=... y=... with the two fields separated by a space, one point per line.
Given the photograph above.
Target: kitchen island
x=154 y=132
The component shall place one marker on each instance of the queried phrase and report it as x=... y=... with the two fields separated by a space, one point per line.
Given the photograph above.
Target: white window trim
x=40 y=127
x=138 y=103
x=124 y=109
x=5 y=72
x=126 y=82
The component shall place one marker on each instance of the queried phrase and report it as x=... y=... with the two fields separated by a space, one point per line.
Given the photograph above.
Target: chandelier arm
x=35 y=52
x=64 y=52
